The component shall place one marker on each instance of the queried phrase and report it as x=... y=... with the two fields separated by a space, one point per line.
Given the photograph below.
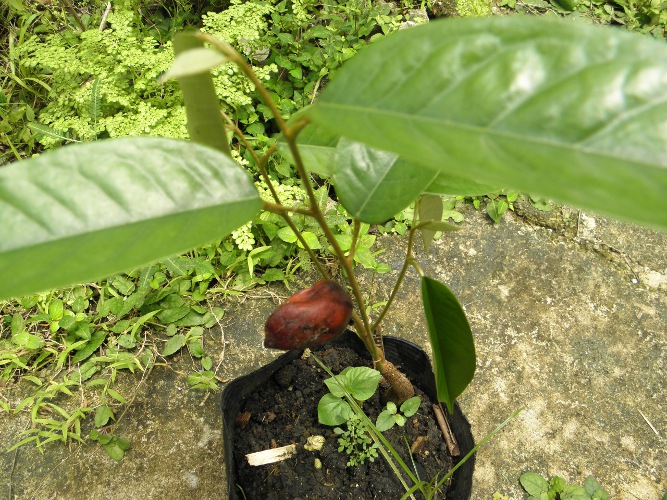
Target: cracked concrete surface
x=569 y=313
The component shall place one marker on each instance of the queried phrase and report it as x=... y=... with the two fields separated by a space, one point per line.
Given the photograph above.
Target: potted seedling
x=322 y=312
x=562 y=110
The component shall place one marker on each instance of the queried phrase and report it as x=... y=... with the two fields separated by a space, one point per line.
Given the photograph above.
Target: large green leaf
x=86 y=211
x=452 y=185
x=374 y=185
x=564 y=110
x=317 y=147
x=202 y=106
x=454 y=359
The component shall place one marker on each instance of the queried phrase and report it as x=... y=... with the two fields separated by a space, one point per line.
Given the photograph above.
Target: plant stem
x=282 y=209
x=409 y=260
x=364 y=330
x=74 y=13
x=277 y=207
x=290 y=137
x=355 y=237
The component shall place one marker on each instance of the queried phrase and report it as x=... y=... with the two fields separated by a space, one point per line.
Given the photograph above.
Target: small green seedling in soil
x=356 y=442
x=361 y=383
x=391 y=416
x=557 y=488
x=329 y=410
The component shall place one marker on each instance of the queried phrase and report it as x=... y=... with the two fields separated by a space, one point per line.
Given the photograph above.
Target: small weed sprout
x=391 y=416
x=537 y=488
x=356 y=442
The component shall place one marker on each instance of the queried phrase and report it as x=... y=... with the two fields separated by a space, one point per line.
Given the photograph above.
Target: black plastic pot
x=411 y=359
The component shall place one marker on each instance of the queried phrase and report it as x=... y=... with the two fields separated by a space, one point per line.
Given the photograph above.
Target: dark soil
x=284 y=411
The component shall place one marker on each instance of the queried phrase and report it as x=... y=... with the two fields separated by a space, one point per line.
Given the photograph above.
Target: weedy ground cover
x=89 y=74
x=59 y=88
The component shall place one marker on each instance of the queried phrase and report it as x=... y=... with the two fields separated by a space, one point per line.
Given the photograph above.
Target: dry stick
x=452 y=445
x=103 y=23
x=271 y=455
x=649 y=423
x=68 y=4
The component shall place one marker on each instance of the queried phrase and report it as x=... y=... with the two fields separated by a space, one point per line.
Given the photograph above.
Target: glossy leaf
x=453 y=346
x=360 y=382
x=202 y=106
x=571 y=112
x=318 y=148
x=374 y=185
x=87 y=211
x=411 y=406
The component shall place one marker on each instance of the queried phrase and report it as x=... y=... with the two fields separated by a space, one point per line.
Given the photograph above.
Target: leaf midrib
x=481 y=131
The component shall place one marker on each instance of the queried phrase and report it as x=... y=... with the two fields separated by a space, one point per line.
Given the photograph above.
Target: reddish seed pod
x=309 y=318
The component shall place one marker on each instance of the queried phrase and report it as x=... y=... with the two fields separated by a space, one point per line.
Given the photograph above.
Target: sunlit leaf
x=568 y=111
x=86 y=211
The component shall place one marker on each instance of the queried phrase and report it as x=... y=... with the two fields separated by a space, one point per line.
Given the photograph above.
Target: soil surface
x=284 y=411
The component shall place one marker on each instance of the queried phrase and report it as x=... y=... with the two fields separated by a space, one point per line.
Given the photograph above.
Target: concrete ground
x=569 y=313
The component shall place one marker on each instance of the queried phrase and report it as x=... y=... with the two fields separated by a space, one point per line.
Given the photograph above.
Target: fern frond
x=45 y=130
x=95 y=105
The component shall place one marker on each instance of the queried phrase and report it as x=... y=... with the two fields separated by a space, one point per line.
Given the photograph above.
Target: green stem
x=290 y=137
x=366 y=334
x=282 y=209
x=409 y=260
x=277 y=207
x=355 y=238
